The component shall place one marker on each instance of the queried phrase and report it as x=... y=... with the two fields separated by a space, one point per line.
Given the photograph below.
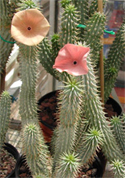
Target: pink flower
x=29 y=27
x=72 y=59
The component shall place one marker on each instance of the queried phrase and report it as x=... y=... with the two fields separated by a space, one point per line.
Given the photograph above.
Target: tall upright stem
x=100 y=9
x=2 y=81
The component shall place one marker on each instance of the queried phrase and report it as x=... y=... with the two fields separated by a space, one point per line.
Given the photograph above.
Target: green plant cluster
x=7 y=9
x=91 y=109
x=5 y=105
x=83 y=128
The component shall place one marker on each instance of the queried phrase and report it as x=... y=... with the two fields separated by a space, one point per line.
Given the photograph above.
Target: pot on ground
x=13 y=157
x=22 y=170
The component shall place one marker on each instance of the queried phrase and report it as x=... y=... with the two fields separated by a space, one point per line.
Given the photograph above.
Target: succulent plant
x=114 y=60
x=83 y=129
x=6 y=41
x=92 y=108
x=118 y=127
x=5 y=106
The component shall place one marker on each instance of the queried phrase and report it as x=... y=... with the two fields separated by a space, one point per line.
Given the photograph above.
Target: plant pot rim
x=12 y=150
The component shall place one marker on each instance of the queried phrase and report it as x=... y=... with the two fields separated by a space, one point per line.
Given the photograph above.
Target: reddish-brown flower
x=29 y=27
x=72 y=59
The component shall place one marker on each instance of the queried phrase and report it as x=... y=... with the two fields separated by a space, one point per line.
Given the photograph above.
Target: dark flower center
x=29 y=28
x=74 y=62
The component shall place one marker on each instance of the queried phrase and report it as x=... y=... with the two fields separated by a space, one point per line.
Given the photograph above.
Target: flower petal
x=72 y=59
x=29 y=27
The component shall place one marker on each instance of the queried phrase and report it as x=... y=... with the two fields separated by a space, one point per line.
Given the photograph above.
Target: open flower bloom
x=72 y=59
x=29 y=27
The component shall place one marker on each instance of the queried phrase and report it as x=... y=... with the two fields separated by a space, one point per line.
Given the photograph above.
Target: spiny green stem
x=69 y=22
x=6 y=14
x=119 y=131
x=69 y=108
x=5 y=105
x=113 y=61
x=94 y=29
x=28 y=70
x=35 y=150
x=94 y=113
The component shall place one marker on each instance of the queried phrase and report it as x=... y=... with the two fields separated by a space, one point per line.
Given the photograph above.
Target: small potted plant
x=92 y=25
x=8 y=153
x=73 y=58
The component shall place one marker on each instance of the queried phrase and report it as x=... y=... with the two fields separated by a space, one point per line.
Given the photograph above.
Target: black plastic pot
x=47 y=96
x=97 y=167
x=46 y=127
x=20 y=162
x=116 y=107
x=12 y=150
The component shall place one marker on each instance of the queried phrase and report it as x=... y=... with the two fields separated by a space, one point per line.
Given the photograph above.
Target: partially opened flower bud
x=29 y=27
x=72 y=59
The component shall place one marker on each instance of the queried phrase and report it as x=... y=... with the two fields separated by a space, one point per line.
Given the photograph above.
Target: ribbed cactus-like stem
x=94 y=112
x=64 y=3
x=94 y=7
x=69 y=22
x=46 y=57
x=28 y=71
x=69 y=108
x=5 y=105
x=69 y=165
x=26 y=4
x=90 y=143
x=82 y=7
x=6 y=13
x=113 y=62
x=119 y=131
x=93 y=31
x=33 y=145
x=35 y=150
x=118 y=168
x=55 y=45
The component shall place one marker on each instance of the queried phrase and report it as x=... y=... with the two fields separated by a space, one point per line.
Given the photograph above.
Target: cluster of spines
x=114 y=60
x=65 y=136
x=93 y=110
x=26 y=4
x=83 y=8
x=55 y=46
x=69 y=165
x=6 y=13
x=28 y=109
x=94 y=7
x=118 y=168
x=28 y=71
x=36 y=152
x=34 y=147
x=92 y=36
x=69 y=22
x=5 y=107
x=46 y=56
x=118 y=127
x=87 y=146
x=69 y=108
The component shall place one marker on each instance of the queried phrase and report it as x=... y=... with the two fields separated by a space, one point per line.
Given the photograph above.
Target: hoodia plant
x=72 y=57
